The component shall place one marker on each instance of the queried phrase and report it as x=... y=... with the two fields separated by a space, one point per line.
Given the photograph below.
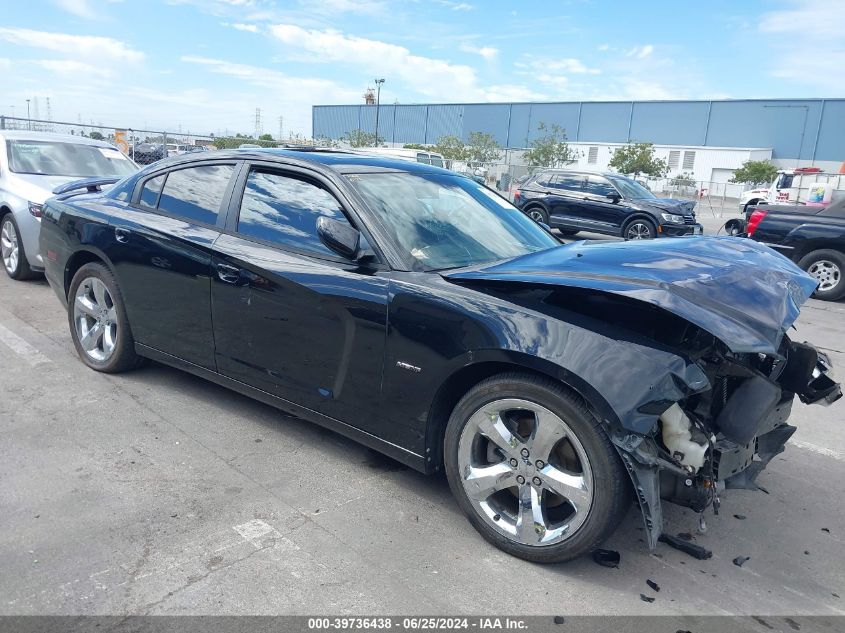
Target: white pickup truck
x=792 y=186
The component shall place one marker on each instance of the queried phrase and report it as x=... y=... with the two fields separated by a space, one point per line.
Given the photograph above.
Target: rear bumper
x=679 y=230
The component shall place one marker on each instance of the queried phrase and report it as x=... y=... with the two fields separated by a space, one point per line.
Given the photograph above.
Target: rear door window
x=195 y=194
x=149 y=194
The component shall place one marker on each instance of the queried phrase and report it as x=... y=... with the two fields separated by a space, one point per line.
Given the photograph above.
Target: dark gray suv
x=573 y=201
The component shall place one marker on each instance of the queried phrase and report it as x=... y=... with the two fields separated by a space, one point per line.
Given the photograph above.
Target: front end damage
x=698 y=327
x=725 y=436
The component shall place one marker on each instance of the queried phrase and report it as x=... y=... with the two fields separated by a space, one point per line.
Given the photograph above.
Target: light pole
x=28 y=120
x=379 y=82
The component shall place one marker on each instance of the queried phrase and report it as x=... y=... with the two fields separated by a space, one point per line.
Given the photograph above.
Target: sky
x=205 y=65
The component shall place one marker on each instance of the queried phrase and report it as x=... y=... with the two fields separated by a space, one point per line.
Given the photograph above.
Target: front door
x=601 y=213
x=291 y=317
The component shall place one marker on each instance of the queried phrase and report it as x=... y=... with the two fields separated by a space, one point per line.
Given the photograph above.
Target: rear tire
x=750 y=203
x=13 y=254
x=569 y=232
x=538 y=214
x=554 y=486
x=98 y=324
x=828 y=268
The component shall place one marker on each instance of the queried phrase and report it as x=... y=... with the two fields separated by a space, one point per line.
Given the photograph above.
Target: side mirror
x=614 y=197
x=339 y=236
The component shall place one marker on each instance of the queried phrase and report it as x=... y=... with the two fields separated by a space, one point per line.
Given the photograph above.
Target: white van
x=420 y=156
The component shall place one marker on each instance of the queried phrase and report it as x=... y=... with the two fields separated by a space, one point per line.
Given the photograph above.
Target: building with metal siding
x=798 y=131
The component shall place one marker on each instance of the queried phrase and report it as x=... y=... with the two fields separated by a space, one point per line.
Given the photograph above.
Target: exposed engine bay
x=723 y=437
x=724 y=434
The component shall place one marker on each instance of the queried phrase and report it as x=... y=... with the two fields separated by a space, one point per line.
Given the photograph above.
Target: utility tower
x=281 y=126
x=257 y=122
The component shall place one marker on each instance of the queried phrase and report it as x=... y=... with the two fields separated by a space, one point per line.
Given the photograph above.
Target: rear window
x=51 y=158
x=195 y=194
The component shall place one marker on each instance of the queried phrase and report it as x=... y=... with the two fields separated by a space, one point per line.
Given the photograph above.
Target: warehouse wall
x=799 y=129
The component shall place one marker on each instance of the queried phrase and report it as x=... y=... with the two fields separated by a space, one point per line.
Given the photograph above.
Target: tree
x=266 y=137
x=638 y=158
x=551 y=149
x=451 y=148
x=359 y=138
x=755 y=172
x=96 y=136
x=481 y=149
x=416 y=146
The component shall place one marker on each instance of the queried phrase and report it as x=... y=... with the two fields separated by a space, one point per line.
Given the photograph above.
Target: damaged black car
x=418 y=312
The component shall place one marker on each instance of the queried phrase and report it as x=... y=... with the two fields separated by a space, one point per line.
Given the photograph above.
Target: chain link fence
x=145 y=146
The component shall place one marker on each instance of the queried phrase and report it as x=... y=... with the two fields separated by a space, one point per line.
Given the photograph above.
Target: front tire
x=639 y=229
x=98 y=323
x=533 y=470
x=14 y=258
x=828 y=268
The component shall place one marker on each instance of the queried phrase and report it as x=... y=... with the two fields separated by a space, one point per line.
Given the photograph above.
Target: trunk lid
x=742 y=292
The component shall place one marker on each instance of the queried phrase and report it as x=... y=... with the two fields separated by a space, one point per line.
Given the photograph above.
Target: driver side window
x=283 y=209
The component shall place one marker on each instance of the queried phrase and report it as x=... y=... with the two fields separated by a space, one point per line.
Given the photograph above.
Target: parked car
x=419 y=156
x=148 y=153
x=175 y=149
x=31 y=165
x=611 y=204
x=418 y=312
x=811 y=236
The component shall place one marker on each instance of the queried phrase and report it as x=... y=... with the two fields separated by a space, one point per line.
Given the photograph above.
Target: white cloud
x=73 y=67
x=80 y=8
x=285 y=93
x=252 y=28
x=427 y=75
x=73 y=46
x=5 y=62
x=335 y=7
x=641 y=52
x=487 y=52
x=791 y=34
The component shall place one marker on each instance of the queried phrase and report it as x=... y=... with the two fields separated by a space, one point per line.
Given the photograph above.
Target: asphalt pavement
x=155 y=492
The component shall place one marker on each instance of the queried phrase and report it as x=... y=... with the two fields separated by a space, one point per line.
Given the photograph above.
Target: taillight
x=516 y=196
x=754 y=221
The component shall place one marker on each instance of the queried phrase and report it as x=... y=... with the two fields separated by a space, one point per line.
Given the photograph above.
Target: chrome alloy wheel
x=95 y=319
x=9 y=246
x=524 y=472
x=826 y=273
x=536 y=215
x=638 y=231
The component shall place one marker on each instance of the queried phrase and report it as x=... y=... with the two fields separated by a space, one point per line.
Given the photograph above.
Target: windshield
x=631 y=188
x=50 y=158
x=445 y=221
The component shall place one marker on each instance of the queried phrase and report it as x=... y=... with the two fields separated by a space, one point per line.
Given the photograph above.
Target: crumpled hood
x=742 y=292
x=670 y=204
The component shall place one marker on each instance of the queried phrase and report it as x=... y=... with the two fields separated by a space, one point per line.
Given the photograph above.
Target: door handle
x=122 y=235
x=229 y=274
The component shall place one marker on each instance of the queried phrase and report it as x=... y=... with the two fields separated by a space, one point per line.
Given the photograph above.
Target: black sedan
x=574 y=201
x=418 y=312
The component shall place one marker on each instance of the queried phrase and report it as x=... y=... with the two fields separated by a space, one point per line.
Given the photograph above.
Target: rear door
x=600 y=212
x=160 y=245
x=291 y=317
x=566 y=199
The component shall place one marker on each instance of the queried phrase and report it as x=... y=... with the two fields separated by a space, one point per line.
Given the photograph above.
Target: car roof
x=29 y=135
x=586 y=172
x=338 y=160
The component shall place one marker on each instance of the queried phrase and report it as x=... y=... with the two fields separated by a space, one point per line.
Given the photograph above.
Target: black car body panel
x=795 y=230
x=704 y=281
x=381 y=351
x=579 y=200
